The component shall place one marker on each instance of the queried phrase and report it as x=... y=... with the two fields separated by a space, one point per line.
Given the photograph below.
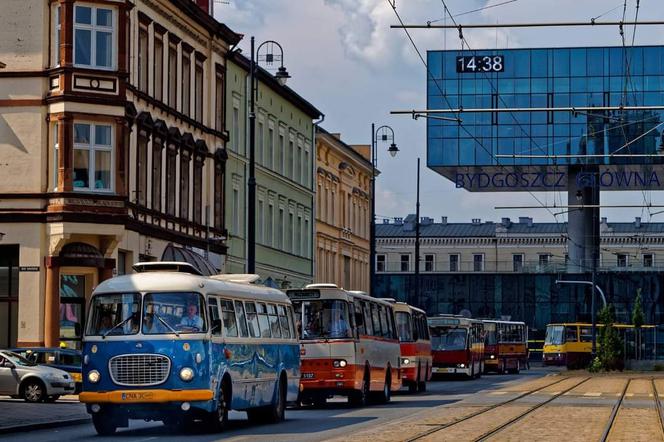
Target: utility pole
x=417 y=238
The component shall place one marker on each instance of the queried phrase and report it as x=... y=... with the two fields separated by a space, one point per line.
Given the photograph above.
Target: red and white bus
x=505 y=346
x=413 y=332
x=457 y=345
x=348 y=345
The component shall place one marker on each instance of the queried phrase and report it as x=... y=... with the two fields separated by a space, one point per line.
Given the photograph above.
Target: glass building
x=545 y=78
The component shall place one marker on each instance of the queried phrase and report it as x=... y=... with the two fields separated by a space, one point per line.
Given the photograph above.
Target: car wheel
x=34 y=391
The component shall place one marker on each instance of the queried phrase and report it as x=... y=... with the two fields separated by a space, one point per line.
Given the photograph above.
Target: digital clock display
x=480 y=63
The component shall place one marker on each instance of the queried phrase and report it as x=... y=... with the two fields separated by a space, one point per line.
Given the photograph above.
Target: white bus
x=349 y=345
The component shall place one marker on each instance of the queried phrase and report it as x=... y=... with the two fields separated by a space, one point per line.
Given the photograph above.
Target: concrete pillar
x=583 y=224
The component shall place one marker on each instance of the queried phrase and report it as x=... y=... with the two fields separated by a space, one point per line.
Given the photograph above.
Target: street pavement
x=335 y=420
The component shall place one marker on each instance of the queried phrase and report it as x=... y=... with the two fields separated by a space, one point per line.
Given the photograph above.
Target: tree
x=638 y=318
x=610 y=352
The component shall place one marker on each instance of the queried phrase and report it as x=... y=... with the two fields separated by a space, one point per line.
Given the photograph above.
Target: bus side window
x=368 y=323
x=274 y=320
x=375 y=318
x=294 y=331
x=390 y=322
x=570 y=334
x=252 y=320
x=415 y=324
x=214 y=317
x=241 y=319
x=283 y=322
x=359 y=318
x=263 y=320
x=228 y=316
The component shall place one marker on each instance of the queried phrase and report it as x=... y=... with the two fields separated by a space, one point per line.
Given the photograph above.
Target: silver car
x=20 y=377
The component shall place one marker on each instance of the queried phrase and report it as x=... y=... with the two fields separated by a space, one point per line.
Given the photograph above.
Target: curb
x=44 y=425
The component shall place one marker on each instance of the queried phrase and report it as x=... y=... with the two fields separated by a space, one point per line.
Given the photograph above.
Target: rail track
x=610 y=425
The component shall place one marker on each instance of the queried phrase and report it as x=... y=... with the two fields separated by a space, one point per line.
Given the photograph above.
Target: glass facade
x=545 y=78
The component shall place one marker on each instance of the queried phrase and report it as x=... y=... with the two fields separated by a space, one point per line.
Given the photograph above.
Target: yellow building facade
x=343 y=212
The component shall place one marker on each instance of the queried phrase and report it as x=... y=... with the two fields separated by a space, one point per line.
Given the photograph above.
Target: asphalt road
x=306 y=424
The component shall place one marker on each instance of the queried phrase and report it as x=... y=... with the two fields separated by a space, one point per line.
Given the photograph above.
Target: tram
x=457 y=345
x=505 y=346
x=348 y=345
x=415 y=343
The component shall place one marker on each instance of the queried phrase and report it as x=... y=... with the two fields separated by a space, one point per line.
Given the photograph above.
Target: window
x=375 y=319
x=56 y=154
x=171 y=164
x=260 y=222
x=543 y=261
x=261 y=143
x=405 y=263
x=517 y=263
x=93 y=156
x=270 y=148
x=185 y=157
x=186 y=82
x=571 y=334
x=158 y=66
x=297 y=167
x=381 y=263
x=143 y=58
x=241 y=319
x=94 y=37
x=298 y=237
x=305 y=173
x=199 y=162
x=269 y=225
x=252 y=320
x=358 y=318
x=236 y=211
x=648 y=260
x=275 y=328
x=429 y=263
x=478 y=262
x=289 y=161
x=58 y=30
x=263 y=320
x=280 y=229
x=172 y=73
x=405 y=327
x=198 y=76
x=284 y=322
x=236 y=128
x=218 y=193
x=142 y=168
x=213 y=310
x=289 y=238
x=219 y=99
x=368 y=323
x=156 y=175
x=621 y=259
x=228 y=316
x=280 y=155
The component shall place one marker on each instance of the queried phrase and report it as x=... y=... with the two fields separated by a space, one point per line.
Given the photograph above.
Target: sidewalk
x=17 y=415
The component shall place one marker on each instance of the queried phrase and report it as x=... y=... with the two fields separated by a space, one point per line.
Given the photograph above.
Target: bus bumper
x=554 y=359
x=145 y=396
x=450 y=370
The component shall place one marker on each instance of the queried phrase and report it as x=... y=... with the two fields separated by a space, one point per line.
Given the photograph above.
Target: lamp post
x=387 y=134
x=417 y=238
x=282 y=76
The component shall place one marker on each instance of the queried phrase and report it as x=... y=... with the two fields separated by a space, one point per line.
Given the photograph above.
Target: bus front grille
x=139 y=369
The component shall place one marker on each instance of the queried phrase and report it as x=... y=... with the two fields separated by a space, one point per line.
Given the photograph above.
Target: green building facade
x=284 y=158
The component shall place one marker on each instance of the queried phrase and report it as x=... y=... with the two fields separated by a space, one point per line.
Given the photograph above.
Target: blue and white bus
x=169 y=344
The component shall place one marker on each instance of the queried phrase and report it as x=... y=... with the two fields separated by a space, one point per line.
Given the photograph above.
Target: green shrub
x=610 y=351
x=595 y=366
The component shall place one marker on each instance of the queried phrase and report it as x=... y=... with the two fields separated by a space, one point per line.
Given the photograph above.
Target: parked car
x=65 y=359
x=20 y=377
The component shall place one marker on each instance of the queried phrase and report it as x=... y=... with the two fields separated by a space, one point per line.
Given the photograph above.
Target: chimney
x=398 y=221
x=386 y=221
x=476 y=221
x=604 y=220
x=443 y=220
x=363 y=149
x=506 y=222
x=426 y=221
x=204 y=5
x=637 y=222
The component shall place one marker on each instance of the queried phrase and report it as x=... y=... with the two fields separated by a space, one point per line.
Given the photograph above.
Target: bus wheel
x=277 y=411
x=361 y=398
x=218 y=419
x=105 y=425
x=386 y=395
x=413 y=385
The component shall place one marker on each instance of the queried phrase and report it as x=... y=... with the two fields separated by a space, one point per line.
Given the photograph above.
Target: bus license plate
x=137 y=397
x=307 y=376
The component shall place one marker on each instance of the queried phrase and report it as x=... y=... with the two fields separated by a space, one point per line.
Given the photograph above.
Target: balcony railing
x=507 y=267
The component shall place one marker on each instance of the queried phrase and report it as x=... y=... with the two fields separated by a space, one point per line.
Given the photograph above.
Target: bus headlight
x=186 y=374
x=461 y=365
x=405 y=361
x=492 y=357
x=94 y=376
x=339 y=363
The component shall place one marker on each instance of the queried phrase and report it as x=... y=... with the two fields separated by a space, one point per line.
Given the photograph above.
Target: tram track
x=470 y=416
x=610 y=426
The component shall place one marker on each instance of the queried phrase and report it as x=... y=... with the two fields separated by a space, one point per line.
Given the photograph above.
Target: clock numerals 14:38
x=480 y=63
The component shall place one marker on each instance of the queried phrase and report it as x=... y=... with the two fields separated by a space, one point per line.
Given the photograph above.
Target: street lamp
x=386 y=134
x=282 y=76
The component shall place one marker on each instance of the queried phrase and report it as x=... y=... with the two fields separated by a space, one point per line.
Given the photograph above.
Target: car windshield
x=446 y=339
x=323 y=319
x=554 y=335
x=18 y=359
x=176 y=312
x=404 y=327
x=114 y=314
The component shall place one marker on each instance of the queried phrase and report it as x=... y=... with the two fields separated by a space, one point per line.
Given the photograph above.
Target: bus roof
x=498 y=321
x=451 y=321
x=165 y=281
x=329 y=291
x=404 y=307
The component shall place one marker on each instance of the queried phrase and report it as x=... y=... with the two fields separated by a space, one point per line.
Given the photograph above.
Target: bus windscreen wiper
x=166 y=324
x=119 y=324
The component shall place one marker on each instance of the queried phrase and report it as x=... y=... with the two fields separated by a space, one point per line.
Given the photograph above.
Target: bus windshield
x=114 y=314
x=176 y=312
x=324 y=319
x=554 y=335
x=404 y=327
x=446 y=339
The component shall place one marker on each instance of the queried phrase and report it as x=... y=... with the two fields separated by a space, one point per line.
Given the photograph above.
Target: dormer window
x=94 y=36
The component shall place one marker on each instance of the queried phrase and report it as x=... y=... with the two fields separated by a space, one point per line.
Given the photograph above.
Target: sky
x=346 y=60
